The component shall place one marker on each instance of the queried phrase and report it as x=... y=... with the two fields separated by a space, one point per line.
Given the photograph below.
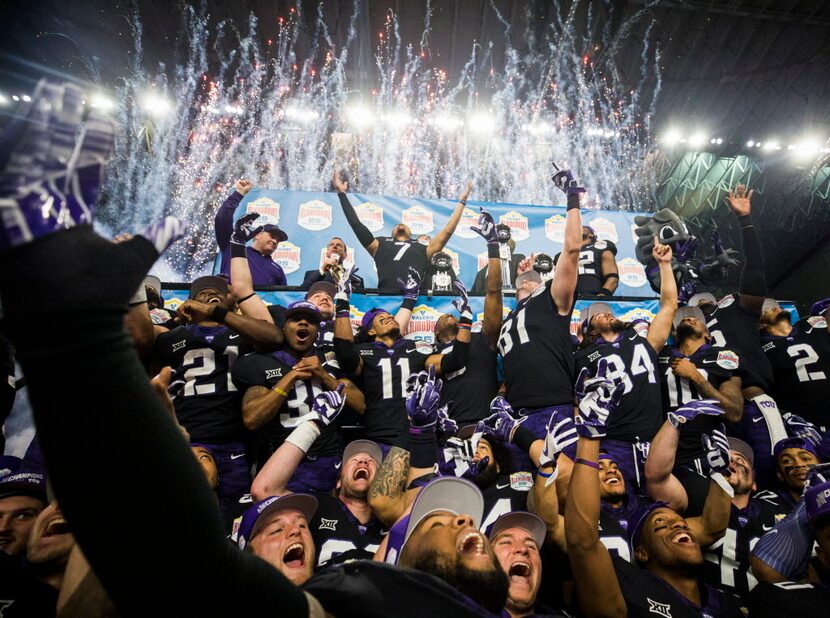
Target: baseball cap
x=641 y=515
x=770 y=303
x=303 y=308
x=520 y=519
x=594 y=309
x=446 y=493
x=209 y=281
x=793 y=442
x=24 y=484
x=275 y=231
x=363 y=446
x=688 y=312
x=736 y=444
x=820 y=307
x=608 y=456
x=9 y=464
x=369 y=317
x=151 y=281
x=254 y=517
x=321 y=286
x=530 y=275
x=695 y=300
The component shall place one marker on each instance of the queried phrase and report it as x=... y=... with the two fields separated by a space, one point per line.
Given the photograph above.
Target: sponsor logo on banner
x=265 y=207
x=355 y=317
x=555 y=228
x=517 y=223
x=632 y=272
x=371 y=215
x=419 y=220
x=469 y=218
x=173 y=303
x=605 y=229
x=349 y=255
x=314 y=215
x=727 y=359
x=422 y=323
x=456 y=264
x=576 y=321
x=287 y=255
x=638 y=313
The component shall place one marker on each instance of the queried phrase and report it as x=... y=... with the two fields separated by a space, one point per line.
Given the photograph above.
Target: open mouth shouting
x=360 y=474
x=55 y=527
x=683 y=537
x=520 y=573
x=294 y=556
x=303 y=335
x=471 y=545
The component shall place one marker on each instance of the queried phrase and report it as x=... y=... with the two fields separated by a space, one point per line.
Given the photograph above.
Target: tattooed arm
x=388 y=495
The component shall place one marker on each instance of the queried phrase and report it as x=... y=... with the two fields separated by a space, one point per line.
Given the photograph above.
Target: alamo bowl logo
x=555 y=228
x=371 y=215
x=456 y=265
x=637 y=313
x=314 y=215
x=287 y=255
x=422 y=323
x=419 y=220
x=266 y=208
x=605 y=229
x=632 y=272
x=517 y=224
x=469 y=219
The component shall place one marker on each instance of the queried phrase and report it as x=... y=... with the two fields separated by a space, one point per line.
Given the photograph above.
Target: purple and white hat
x=24 y=484
x=254 y=518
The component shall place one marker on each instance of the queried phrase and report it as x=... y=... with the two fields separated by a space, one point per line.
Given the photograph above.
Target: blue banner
x=310 y=219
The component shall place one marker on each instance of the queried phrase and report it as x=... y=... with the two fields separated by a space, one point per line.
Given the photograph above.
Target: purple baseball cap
x=275 y=231
x=820 y=307
x=255 y=517
x=793 y=442
x=24 y=484
x=303 y=308
x=638 y=520
x=369 y=317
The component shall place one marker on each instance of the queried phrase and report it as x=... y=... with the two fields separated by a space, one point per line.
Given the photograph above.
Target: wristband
x=465 y=321
x=493 y=251
x=279 y=391
x=238 y=251
x=462 y=202
x=408 y=303
x=464 y=326
x=585 y=462
x=720 y=479
x=304 y=436
x=551 y=477
x=545 y=475
x=218 y=314
x=573 y=201
x=341 y=305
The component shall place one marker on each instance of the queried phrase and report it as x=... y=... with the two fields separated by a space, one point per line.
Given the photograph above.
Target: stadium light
x=482 y=123
x=447 y=122
x=807 y=148
x=26 y=98
x=750 y=144
x=99 y=100
x=234 y=110
x=4 y=100
x=360 y=116
x=397 y=119
x=300 y=114
x=770 y=146
x=697 y=139
x=155 y=105
x=672 y=137
x=15 y=98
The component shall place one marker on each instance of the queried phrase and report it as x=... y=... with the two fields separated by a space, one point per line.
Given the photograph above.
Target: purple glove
x=560 y=435
x=422 y=404
x=688 y=412
x=344 y=284
x=801 y=428
x=487 y=228
x=820 y=307
x=244 y=229
x=447 y=427
x=412 y=284
x=475 y=469
x=501 y=423
x=686 y=251
x=564 y=179
x=327 y=406
x=598 y=397
x=716 y=448
x=462 y=304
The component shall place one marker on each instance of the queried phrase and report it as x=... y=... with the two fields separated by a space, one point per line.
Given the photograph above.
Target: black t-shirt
x=207 y=402
x=801 y=365
x=383 y=382
x=647 y=596
x=614 y=523
x=338 y=536
x=726 y=562
x=589 y=273
x=507 y=494
x=789 y=599
x=632 y=361
x=471 y=388
x=393 y=259
x=734 y=327
x=717 y=366
x=267 y=370
x=535 y=345
x=22 y=595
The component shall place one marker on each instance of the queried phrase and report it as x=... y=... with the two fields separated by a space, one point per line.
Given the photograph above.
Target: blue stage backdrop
x=311 y=219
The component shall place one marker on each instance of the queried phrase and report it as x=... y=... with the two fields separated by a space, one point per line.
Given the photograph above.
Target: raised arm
x=259 y=332
x=344 y=347
x=660 y=328
x=711 y=525
x=242 y=286
x=363 y=233
x=456 y=359
x=564 y=283
x=492 y=298
x=409 y=289
x=753 y=285
x=610 y=274
x=443 y=237
x=223 y=220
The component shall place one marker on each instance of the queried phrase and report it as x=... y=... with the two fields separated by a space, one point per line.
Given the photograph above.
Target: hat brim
x=363 y=446
x=277 y=233
x=304 y=503
x=302 y=312
x=447 y=493
x=688 y=312
x=520 y=519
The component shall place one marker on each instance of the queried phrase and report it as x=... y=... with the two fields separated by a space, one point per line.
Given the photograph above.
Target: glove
x=244 y=229
x=800 y=428
x=446 y=427
x=327 y=406
x=462 y=304
x=716 y=448
x=422 y=403
x=475 y=469
x=686 y=251
x=487 y=228
x=692 y=410
x=501 y=424
x=564 y=179
x=412 y=284
x=344 y=284
x=559 y=435
x=598 y=397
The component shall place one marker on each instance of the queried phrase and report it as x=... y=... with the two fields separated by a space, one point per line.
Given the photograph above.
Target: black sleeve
x=457 y=359
x=346 y=353
x=364 y=235
x=311 y=276
x=753 y=281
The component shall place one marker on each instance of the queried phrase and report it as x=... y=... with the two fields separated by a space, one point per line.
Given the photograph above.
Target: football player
x=598 y=273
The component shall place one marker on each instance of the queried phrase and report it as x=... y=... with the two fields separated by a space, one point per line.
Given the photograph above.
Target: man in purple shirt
x=264 y=270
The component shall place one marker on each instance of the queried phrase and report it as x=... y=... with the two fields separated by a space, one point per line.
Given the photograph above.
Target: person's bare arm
x=660 y=328
x=273 y=478
x=443 y=237
x=609 y=266
x=543 y=500
x=493 y=306
x=712 y=523
x=753 y=285
x=259 y=332
x=260 y=403
x=439 y=360
x=661 y=484
x=354 y=396
x=728 y=395
x=564 y=283
x=387 y=493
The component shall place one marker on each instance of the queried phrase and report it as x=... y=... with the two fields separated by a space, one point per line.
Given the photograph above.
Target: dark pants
x=537 y=421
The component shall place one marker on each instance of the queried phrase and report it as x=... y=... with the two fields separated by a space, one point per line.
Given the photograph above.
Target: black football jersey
x=647 y=596
x=632 y=361
x=338 y=536
x=207 y=401
x=717 y=366
x=614 y=522
x=383 y=382
x=789 y=599
x=736 y=328
x=471 y=388
x=393 y=259
x=801 y=365
x=726 y=563
x=506 y=494
x=537 y=358
x=325 y=339
x=267 y=370
x=589 y=274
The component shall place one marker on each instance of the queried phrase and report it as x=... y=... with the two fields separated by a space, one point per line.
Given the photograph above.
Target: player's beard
x=487 y=588
x=449 y=331
x=684 y=331
x=488 y=477
x=618 y=326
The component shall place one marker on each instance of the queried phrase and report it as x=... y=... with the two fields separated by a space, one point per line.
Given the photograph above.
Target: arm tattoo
x=390 y=480
x=254 y=393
